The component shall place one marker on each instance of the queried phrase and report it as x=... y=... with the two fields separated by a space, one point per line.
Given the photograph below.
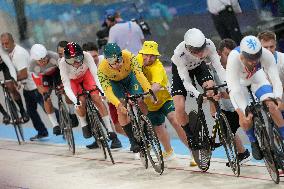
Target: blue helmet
x=251 y=48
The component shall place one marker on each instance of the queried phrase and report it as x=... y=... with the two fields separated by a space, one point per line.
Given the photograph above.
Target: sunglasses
x=75 y=59
x=195 y=50
x=114 y=60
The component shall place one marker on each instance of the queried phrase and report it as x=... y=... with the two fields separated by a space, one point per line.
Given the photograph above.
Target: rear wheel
x=12 y=109
x=268 y=156
x=229 y=144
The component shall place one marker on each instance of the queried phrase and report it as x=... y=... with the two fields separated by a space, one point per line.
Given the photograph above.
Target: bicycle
x=144 y=133
x=13 y=112
x=204 y=144
x=64 y=118
x=272 y=152
x=96 y=123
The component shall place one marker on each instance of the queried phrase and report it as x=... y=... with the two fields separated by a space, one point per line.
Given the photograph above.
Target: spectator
x=224 y=18
x=126 y=34
x=109 y=21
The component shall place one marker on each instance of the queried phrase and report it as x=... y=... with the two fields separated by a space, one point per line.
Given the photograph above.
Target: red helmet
x=72 y=50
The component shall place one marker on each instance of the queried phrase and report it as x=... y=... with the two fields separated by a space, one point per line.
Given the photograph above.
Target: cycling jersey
x=237 y=76
x=69 y=72
x=185 y=61
x=47 y=69
x=156 y=73
x=107 y=74
x=279 y=59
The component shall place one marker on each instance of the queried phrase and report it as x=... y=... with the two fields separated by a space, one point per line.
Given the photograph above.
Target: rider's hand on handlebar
x=121 y=108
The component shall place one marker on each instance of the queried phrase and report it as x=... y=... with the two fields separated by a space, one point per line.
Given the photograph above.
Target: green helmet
x=112 y=50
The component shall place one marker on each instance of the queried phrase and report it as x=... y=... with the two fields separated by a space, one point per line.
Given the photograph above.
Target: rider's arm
x=93 y=68
x=215 y=60
x=137 y=69
x=106 y=85
x=66 y=82
x=184 y=76
x=273 y=74
x=237 y=96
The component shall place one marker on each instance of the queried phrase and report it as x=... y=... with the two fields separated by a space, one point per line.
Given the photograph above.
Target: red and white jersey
x=68 y=72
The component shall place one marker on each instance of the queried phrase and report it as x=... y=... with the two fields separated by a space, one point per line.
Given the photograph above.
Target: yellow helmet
x=150 y=47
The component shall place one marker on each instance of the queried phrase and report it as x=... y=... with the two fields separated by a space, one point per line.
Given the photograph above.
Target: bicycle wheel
x=152 y=144
x=140 y=138
x=12 y=109
x=268 y=156
x=65 y=123
x=227 y=139
x=201 y=149
x=97 y=126
x=278 y=146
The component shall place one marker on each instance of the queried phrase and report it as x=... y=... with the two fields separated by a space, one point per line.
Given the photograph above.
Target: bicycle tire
x=227 y=139
x=97 y=125
x=202 y=153
x=12 y=109
x=268 y=156
x=152 y=143
x=140 y=138
x=101 y=125
x=65 y=123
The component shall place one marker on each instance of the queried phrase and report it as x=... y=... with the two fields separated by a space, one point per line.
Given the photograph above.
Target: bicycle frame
x=263 y=137
x=12 y=110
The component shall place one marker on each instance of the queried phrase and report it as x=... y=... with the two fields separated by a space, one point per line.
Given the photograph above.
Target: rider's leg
x=50 y=110
x=71 y=110
x=276 y=115
x=263 y=90
x=180 y=132
x=103 y=111
x=114 y=117
x=157 y=119
x=81 y=113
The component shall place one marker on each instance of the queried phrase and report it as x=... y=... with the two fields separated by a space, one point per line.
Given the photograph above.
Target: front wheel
x=228 y=141
x=264 y=143
x=201 y=149
x=152 y=145
x=65 y=123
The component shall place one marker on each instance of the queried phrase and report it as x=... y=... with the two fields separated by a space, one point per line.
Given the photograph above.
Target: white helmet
x=38 y=51
x=194 y=38
x=250 y=47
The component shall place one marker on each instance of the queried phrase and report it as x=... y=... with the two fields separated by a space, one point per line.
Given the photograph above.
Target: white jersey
x=68 y=72
x=6 y=59
x=279 y=58
x=20 y=58
x=237 y=76
x=47 y=69
x=215 y=6
x=185 y=61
